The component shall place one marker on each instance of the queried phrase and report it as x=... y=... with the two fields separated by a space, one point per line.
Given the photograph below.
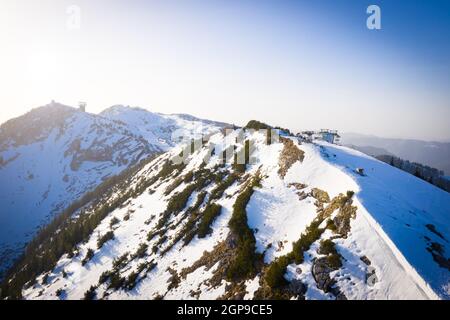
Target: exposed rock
x=342 y=220
x=321 y=273
x=365 y=260
x=174 y=279
x=320 y=195
x=298 y=186
x=371 y=277
x=339 y=295
x=289 y=155
x=224 y=252
x=297 y=287
x=302 y=195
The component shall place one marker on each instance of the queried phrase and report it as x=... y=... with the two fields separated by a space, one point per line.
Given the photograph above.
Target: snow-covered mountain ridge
x=54 y=154
x=297 y=220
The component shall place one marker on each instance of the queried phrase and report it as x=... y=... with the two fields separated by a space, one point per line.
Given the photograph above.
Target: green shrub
x=188 y=177
x=257 y=125
x=176 y=204
x=152 y=265
x=175 y=184
x=275 y=273
x=312 y=233
x=90 y=294
x=89 y=254
x=45 y=279
x=141 y=267
x=105 y=238
x=116 y=281
x=120 y=261
x=141 y=251
x=211 y=212
x=334 y=261
x=188 y=231
x=243 y=264
x=179 y=200
x=151 y=234
x=113 y=222
x=59 y=292
x=130 y=283
x=327 y=247
x=168 y=168
x=331 y=225
x=104 y=277
x=219 y=190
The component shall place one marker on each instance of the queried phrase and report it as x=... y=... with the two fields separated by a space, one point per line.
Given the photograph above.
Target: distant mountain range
x=433 y=154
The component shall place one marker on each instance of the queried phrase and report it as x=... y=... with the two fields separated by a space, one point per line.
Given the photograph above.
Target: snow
x=251 y=286
x=37 y=188
x=129 y=133
x=278 y=216
x=159 y=129
x=397 y=206
x=393 y=209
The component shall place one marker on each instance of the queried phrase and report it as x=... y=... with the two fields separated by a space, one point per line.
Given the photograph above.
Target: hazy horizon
x=243 y=123
x=296 y=64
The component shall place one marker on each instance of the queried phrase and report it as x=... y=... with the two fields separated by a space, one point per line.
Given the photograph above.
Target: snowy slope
x=398 y=207
x=160 y=129
x=44 y=172
x=54 y=154
x=390 y=249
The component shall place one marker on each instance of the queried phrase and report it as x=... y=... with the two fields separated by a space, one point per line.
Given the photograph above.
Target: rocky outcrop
x=289 y=155
x=321 y=270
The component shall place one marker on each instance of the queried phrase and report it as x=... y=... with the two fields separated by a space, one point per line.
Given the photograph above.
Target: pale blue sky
x=298 y=64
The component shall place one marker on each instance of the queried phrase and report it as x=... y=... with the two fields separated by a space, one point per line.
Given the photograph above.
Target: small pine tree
x=417 y=174
x=45 y=279
x=90 y=294
x=113 y=222
x=105 y=238
x=59 y=292
x=89 y=254
x=275 y=273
